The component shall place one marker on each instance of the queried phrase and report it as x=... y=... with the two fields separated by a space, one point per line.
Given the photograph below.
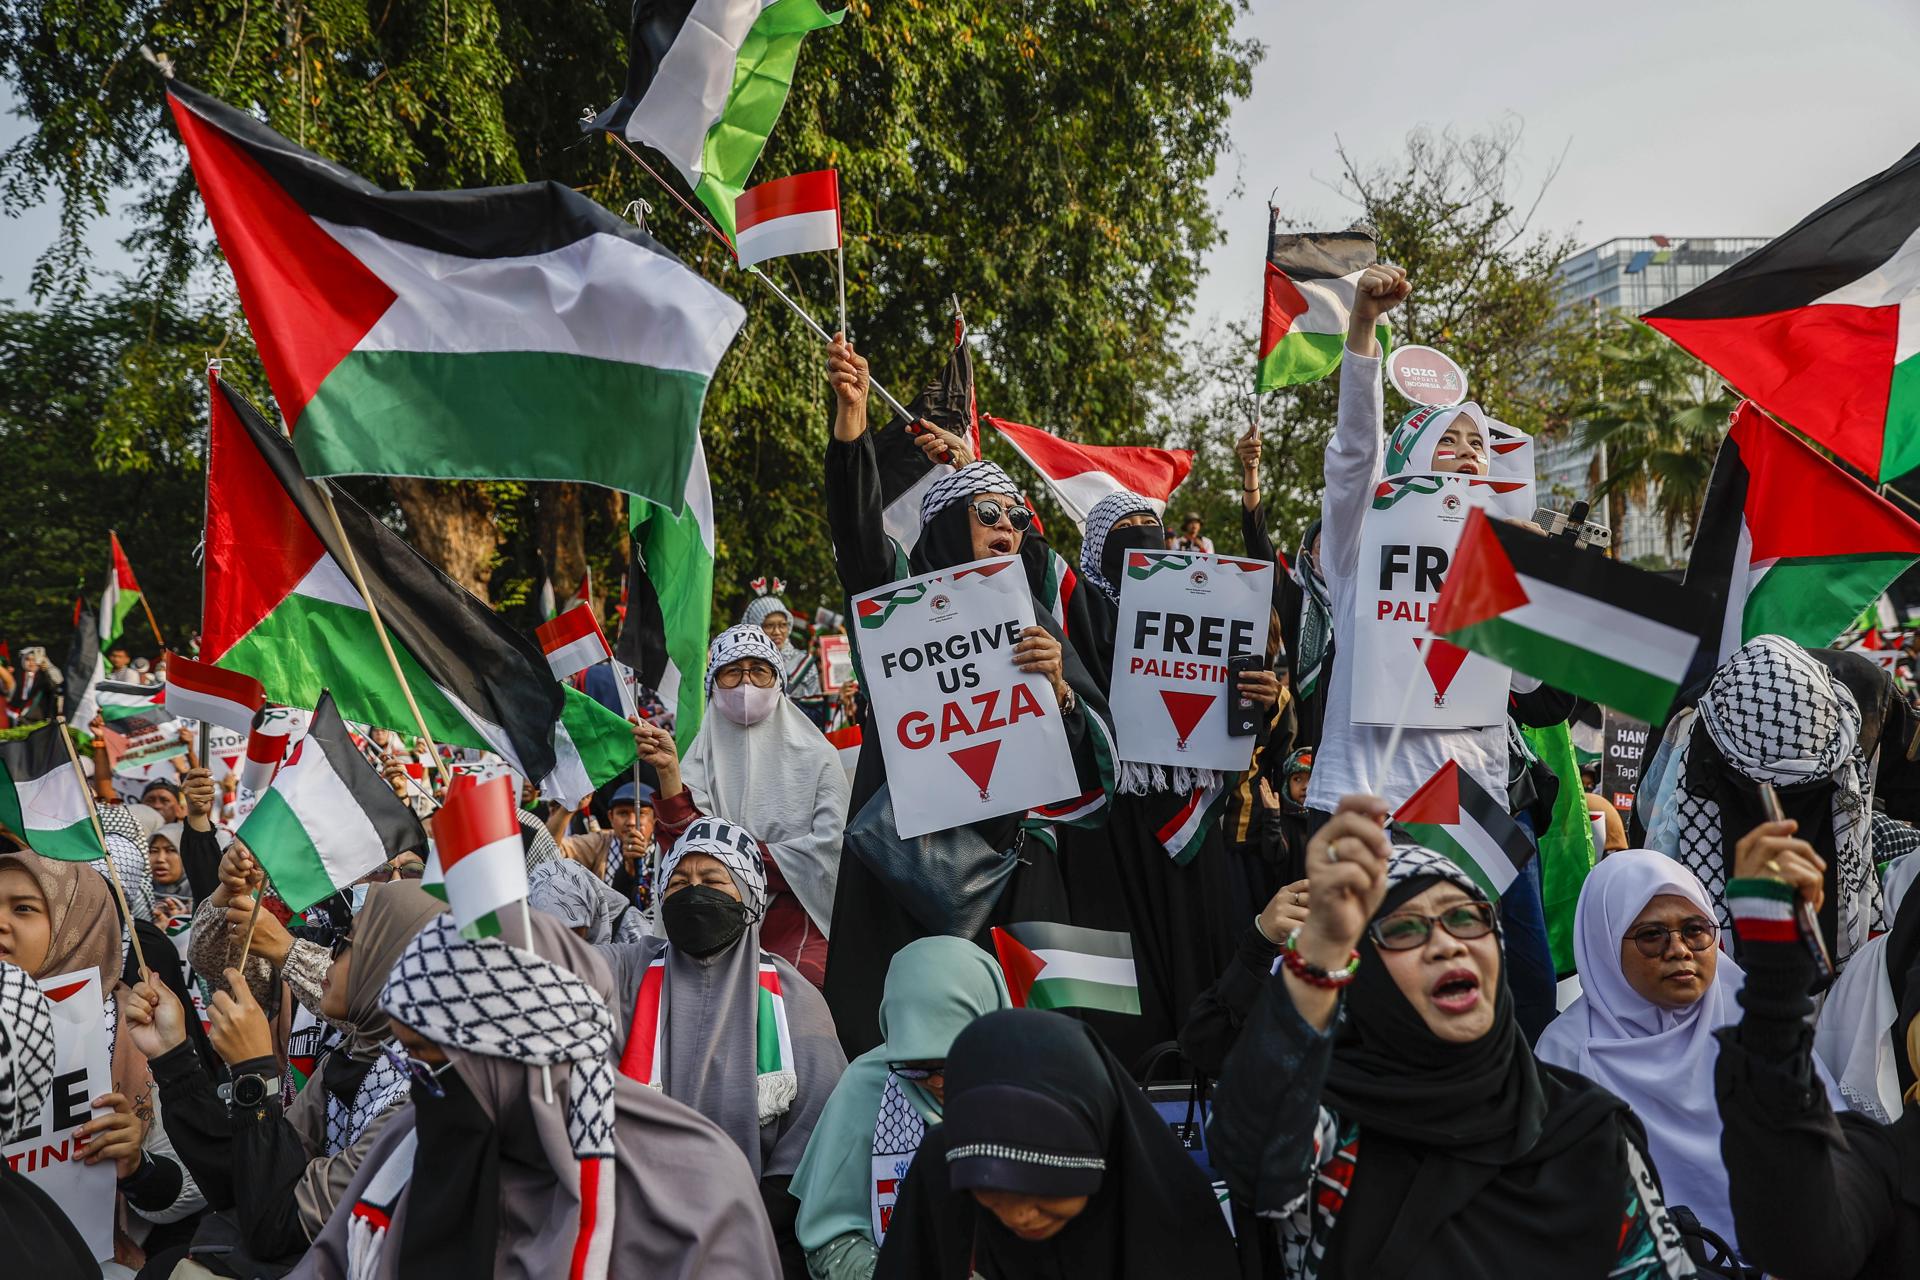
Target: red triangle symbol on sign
x=1442 y=661
x=1186 y=710
x=977 y=762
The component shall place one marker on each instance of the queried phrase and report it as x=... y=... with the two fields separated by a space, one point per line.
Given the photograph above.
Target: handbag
x=948 y=881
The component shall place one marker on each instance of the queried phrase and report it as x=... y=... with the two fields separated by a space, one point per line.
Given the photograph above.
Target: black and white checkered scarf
x=1106 y=513
x=26 y=1051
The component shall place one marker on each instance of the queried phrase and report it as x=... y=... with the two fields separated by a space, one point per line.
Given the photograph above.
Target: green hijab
x=935 y=987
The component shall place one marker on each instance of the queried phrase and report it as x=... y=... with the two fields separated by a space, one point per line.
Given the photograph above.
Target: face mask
x=1138 y=537
x=701 y=920
x=746 y=703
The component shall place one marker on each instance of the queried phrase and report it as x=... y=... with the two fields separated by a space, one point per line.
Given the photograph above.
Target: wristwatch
x=249 y=1090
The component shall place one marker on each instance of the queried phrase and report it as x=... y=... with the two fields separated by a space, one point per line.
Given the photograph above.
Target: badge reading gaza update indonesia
x=1426 y=376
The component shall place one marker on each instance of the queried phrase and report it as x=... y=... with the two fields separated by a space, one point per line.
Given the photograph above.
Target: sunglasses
x=918 y=1074
x=989 y=513
x=425 y=1074
x=1697 y=933
x=1405 y=930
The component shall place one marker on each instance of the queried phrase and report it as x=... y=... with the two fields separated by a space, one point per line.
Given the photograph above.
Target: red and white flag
x=800 y=214
x=202 y=691
x=573 y=642
x=266 y=748
x=479 y=865
x=1082 y=474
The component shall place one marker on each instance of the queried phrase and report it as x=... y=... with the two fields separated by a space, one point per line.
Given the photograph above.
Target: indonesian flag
x=478 y=865
x=1310 y=282
x=266 y=748
x=202 y=691
x=122 y=594
x=1081 y=474
x=846 y=742
x=1815 y=327
x=573 y=642
x=800 y=214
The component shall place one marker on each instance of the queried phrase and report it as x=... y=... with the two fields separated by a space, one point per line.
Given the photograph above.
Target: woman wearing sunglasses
x=1382 y=1113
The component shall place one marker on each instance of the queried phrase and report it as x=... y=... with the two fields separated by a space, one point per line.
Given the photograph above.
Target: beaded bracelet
x=1312 y=974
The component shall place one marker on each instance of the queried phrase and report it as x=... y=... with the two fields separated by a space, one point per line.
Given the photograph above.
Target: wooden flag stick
x=253 y=918
x=380 y=628
x=840 y=260
x=113 y=871
x=151 y=622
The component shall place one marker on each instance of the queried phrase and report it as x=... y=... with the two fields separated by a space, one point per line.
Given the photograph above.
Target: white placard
x=965 y=734
x=48 y=1155
x=1406 y=540
x=1182 y=615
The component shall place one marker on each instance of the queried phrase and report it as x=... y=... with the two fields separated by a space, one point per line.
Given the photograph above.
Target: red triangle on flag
x=1186 y=709
x=122 y=567
x=1481 y=583
x=977 y=762
x=1799 y=504
x=57 y=994
x=1019 y=965
x=1442 y=661
x=1437 y=802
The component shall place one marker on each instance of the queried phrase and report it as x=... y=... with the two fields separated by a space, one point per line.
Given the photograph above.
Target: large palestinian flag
x=508 y=333
x=1452 y=814
x=43 y=799
x=706 y=80
x=1799 y=546
x=1081 y=474
x=1620 y=636
x=1309 y=297
x=1815 y=326
x=281 y=607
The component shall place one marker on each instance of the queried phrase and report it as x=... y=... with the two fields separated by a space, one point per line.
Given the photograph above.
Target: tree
x=1046 y=160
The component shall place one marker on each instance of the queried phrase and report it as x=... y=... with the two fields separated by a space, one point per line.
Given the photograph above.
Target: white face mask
x=746 y=703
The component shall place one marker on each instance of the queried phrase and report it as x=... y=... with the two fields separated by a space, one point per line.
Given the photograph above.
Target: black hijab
x=1474 y=1159
x=451 y=1228
x=1020 y=1083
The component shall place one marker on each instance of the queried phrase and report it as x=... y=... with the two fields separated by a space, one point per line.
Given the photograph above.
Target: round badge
x=1426 y=376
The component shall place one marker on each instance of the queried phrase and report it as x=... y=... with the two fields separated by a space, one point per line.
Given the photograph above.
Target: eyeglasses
x=1697 y=933
x=989 y=513
x=425 y=1074
x=729 y=677
x=1405 y=930
x=918 y=1074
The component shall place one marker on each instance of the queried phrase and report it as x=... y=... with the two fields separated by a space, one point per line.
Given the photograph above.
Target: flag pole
x=380 y=628
x=113 y=871
x=1400 y=717
x=151 y=621
x=761 y=276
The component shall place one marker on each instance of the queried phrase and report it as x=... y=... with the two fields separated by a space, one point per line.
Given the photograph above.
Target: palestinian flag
x=874 y=608
x=479 y=865
x=1309 y=296
x=1081 y=474
x=1058 y=966
x=280 y=607
x=1799 y=546
x=329 y=818
x=1620 y=636
x=84 y=669
x=43 y=799
x=705 y=85
x=1815 y=328
x=645 y=1058
x=427 y=333
x=906 y=474
x=669 y=590
x=204 y=692
x=572 y=642
x=1453 y=814
x=122 y=595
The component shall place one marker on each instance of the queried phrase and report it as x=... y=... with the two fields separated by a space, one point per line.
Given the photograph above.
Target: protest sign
x=1426 y=376
x=1406 y=541
x=965 y=734
x=225 y=750
x=1623 y=749
x=836 y=663
x=1182 y=616
x=48 y=1154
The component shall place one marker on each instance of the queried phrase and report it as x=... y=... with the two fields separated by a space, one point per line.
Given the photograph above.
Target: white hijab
x=1851 y=1037
x=1659 y=1060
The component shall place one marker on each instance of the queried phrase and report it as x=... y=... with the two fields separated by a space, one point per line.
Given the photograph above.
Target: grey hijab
x=579 y=899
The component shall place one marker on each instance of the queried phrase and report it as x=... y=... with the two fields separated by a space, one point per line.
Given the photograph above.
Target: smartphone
x=1243 y=716
x=1802 y=909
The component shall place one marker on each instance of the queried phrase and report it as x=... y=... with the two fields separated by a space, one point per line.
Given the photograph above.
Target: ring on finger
x=1333 y=851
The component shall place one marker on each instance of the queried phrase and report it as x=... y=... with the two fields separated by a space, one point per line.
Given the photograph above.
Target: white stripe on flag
x=51 y=802
x=327 y=581
x=1586 y=623
x=1485 y=850
x=191 y=704
x=807 y=232
x=1114 y=971
x=576 y=655
x=690 y=88
x=1329 y=303
x=348 y=843
x=487 y=879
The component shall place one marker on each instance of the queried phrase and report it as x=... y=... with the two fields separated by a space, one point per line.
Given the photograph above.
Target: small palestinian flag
x=43 y=800
x=1058 y=966
x=85 y=668
x=1309 y=298
x=122 y=595
x=1620 y=636
x=669 y=593
x=906 y=473
x=1079 y=475
x=1799 y=546
x=1453 y=814
x=800 y=214
x=329 y=818
x=874 y=608
x=572 y=642
x=139 y=727
x=424 y=333
x=705 y=86
x=479 y=864
x=1815 y=327
x=213 y=695
x=775 y=1082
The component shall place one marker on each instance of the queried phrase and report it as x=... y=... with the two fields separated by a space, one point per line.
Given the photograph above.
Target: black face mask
x=1138 y=537
x=701 y=920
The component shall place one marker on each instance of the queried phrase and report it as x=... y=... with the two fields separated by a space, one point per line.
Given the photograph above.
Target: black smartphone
x=1243 y=716
x=1803 y=912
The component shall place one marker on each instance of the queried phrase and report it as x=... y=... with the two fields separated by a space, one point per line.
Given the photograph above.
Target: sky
x=1675 y=117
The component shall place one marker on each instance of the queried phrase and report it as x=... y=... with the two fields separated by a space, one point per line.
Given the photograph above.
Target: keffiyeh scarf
x=1316 y=617
x=898 y=1131
x=975 y=477
x=385 y=1084
x=1106 y=513
x=26 y=1051
x=743 y=641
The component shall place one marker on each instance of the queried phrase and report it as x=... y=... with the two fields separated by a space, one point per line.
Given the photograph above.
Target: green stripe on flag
x=1078 y=993
x=1566 y=850
x=286 y=852
x=1305 y=357
x=1587 y=672
x=679 y=563
x=766 y=1034
x=1812 y=599
x=1900 y=442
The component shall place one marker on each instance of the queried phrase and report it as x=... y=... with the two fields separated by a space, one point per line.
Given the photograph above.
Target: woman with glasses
x=1381 y=1111
x=771 y=615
